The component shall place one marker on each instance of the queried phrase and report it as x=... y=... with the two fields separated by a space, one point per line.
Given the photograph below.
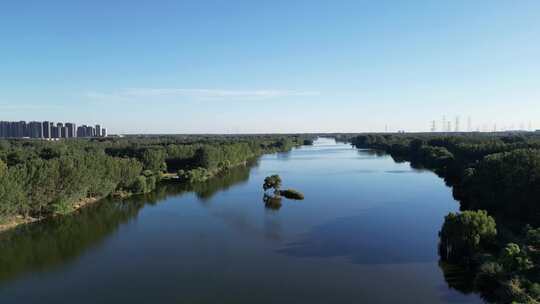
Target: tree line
x=496 y=178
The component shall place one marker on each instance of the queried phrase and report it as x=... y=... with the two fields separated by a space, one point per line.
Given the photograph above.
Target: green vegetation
x=272 y=182
x=39 y=179
x=464 y=234
x=496 y=178
x=292 y=194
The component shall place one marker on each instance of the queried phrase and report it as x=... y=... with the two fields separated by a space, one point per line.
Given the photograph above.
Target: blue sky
x=270 y=66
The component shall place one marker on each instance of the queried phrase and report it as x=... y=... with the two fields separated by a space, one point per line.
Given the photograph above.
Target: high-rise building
x=51 y=126
x=4 y=129
x=35 y=129
x=46 y=129
x=71 y=130
x=81 y=131
x=90 y=132
x=54 y=132
x=60 y=127
x=18 y=129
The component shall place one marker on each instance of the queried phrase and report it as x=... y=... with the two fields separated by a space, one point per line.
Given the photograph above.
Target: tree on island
x=272 y=182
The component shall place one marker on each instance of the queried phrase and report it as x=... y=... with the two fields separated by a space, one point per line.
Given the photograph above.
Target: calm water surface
x=366 y=233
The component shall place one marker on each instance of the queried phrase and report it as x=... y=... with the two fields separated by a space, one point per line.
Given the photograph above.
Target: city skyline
x=49 y=130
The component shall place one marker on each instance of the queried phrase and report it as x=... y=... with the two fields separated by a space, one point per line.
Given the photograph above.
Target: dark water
x=366 y=233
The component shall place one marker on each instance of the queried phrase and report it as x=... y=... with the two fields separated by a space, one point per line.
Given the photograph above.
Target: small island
x=274 y=182
x=292 y=194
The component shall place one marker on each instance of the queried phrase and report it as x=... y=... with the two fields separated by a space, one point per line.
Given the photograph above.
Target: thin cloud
x=142 y=93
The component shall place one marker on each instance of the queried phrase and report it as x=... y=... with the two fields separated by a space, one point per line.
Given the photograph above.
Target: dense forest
x=39 y=178
x=496 y=178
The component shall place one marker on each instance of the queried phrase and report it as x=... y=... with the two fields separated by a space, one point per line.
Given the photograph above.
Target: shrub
x=139 y=186
x=194 y=175
x=513 y=258
x=292 y=194
x=61 y=207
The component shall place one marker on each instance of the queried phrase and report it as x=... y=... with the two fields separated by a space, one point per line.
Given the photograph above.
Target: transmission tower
x=443 y=126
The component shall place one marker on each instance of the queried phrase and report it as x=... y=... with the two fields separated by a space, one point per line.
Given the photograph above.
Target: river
x=365 y=233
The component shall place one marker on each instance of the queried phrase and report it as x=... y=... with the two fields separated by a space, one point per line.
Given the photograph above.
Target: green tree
x=139 y=186
x=3 y=168
x=513 y=258
x=203 y=157
x=154 y=160
x=416 y=144
x=464 y=234
x=272 y=182
x=11 y=195
x=506 y=183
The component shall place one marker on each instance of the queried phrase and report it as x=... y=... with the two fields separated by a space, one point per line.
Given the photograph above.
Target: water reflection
x=284 y=155
x=375 y=153
x=376 y=236
x=57 y=241
x=457 y=277
x=234 y=176
x=42 y=246
x=272 y=202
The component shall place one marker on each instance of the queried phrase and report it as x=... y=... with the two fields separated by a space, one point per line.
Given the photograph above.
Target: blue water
x=366 y=233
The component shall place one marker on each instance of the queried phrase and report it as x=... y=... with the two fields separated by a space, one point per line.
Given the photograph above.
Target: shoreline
x=19 y=220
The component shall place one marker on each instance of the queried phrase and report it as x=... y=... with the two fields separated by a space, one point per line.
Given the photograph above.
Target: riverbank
x=19 y=220
x=14 y=222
